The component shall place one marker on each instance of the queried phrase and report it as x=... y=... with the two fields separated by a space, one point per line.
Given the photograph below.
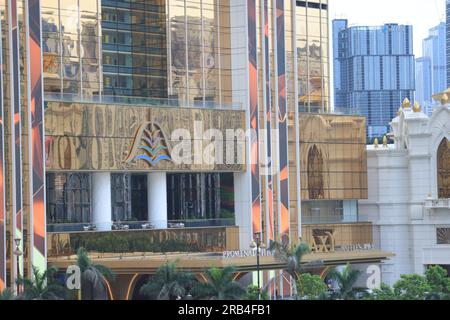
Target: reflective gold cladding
x=342 y=234
x=84 y=137
x=333 y=157
x=214 y=239
x=200 y=50
x=71 y=40
x=312 y=57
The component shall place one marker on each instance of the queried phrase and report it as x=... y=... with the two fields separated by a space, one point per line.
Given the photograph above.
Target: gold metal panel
x=333 y=157
x=84 y=137
x=214 y=239
x=334 y=236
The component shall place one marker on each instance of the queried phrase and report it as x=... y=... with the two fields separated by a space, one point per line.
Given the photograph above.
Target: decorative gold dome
x=444 y=99
x=416 y=107
x=406 y=104
x=375 y=143
x=385 y=141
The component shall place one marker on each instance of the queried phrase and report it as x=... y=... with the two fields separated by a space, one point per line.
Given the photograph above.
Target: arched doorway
x=315 y=174
x=139 y=283
x=443 y=169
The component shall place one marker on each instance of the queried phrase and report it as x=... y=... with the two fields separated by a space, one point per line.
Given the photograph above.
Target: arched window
x=315 y=174
x=443 y=167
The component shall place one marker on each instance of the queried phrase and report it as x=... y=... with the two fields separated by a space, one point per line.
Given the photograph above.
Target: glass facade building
x=140 y=152
x=134 y=48
x=433 y=53
x=424 y=83
x=199 y=45
x=313 y=55
x=447 y=38
x=376 y=71
x=71 y=44
x=158 y=49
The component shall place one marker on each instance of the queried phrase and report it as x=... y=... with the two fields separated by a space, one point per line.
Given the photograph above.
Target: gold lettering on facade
x=323 y=241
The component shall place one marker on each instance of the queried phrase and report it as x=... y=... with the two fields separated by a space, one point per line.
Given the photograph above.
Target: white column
x=157 y=199
x=101 y=200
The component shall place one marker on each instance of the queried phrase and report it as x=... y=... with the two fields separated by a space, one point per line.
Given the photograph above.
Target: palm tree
x=6 y=294
x=93 y=277
x=220 y=285
x=42 y=286
x=346 y=280
x=168 y=284
x=291 y=255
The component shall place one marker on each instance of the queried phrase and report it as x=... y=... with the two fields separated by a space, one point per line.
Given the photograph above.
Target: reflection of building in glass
x=332 y=149
x=134 y=38
x=312 y=55
x=140 y=58
x=71 y=47
x=200 y=66
x=374 y=71
x=147 y=177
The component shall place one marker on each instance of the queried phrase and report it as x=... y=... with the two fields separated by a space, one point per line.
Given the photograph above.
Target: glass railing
x=339 y=237
x=334 y=219
x=139 y=101
x=138 y=225
x=185 y=240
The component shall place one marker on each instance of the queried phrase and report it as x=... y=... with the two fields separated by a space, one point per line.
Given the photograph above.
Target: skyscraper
x=424 y=83
x=447 y=36
x=174 y=127
x=433 y=51
x=374 y=71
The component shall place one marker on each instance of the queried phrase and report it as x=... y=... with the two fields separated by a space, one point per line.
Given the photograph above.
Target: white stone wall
x=401 y=177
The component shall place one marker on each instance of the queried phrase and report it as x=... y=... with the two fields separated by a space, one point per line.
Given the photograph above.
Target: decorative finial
x=406 y=104
x=385 y=141
x=399 y=112
x=375 y=143
x=416 y=107
x=444 y=99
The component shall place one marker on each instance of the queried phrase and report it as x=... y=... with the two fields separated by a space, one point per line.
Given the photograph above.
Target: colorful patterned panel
x=2 y=186
x=37 y=132
x=254 y=121
x=282 y=119
x=268 y=115
x=16 y=141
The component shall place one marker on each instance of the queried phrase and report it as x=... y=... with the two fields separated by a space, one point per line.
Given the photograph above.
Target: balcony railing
x=140 y=101
x=437 y=204
x=138 y=225
x=332 y=219
x=212 y=239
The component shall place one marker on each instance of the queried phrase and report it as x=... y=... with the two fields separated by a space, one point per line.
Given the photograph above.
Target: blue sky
x=422 y=14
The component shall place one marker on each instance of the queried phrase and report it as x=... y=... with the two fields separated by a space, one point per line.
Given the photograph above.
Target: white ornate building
x=409 y=191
